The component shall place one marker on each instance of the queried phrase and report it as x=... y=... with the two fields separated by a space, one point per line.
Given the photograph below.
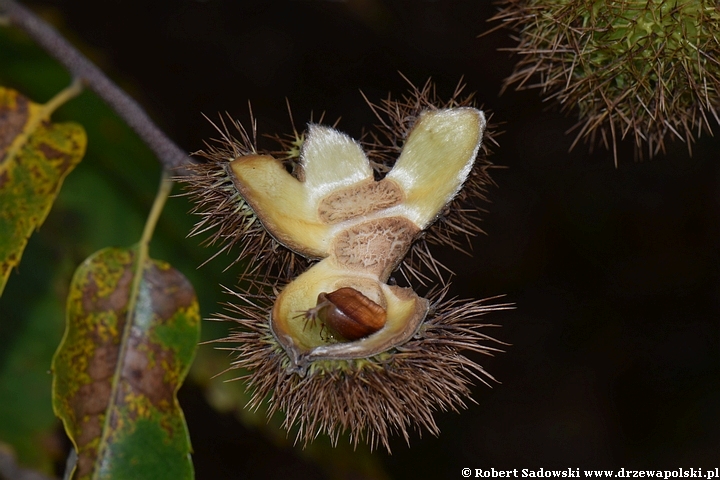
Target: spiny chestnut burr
x=646 y=70
x=365 y=356
x=347 y=314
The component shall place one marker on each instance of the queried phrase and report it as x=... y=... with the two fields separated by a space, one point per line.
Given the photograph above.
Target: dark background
x=615 y=348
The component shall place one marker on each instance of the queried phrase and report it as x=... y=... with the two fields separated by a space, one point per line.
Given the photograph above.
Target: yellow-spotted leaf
x=115 y=381
x=35 y=158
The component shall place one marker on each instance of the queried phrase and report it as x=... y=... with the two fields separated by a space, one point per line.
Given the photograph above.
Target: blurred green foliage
x=104 y=203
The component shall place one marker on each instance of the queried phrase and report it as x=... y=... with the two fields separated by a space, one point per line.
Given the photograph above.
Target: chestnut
x=347 y=314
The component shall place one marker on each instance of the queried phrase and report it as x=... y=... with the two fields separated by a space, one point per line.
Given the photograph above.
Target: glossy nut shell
x=349 y=314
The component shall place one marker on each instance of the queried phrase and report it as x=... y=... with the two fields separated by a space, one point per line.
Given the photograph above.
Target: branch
x=169 y=154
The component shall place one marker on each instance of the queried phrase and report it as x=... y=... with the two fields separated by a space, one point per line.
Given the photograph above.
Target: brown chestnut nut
x=348 y=314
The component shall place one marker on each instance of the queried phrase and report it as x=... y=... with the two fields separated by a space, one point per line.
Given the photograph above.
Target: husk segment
x=462 y=217
x=369 y=399
x=230 y=221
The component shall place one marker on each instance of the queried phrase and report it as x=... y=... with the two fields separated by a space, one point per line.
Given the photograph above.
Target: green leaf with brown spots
x=115 y=382
x=35 y=158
